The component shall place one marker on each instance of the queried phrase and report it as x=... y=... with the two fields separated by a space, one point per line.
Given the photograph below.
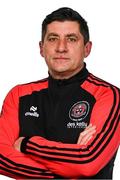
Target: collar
x=79 y=77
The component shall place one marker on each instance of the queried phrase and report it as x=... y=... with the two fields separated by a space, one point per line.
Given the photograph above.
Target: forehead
x=65 y=27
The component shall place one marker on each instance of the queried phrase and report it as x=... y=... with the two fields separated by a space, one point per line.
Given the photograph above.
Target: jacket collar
x=79 y=77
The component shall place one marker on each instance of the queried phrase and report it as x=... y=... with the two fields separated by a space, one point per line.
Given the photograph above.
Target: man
x=67 y=125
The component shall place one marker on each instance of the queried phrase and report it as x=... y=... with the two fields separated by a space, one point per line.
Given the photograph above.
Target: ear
x=41 y=48
x=88 y=47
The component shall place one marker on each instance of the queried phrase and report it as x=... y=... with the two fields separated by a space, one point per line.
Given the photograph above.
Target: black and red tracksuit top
x=51 y=114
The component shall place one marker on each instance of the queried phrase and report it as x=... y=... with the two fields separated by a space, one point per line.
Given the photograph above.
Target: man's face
x=64 y=49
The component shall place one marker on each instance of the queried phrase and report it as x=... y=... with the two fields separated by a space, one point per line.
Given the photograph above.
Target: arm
x=74 y=160
x=13 y=163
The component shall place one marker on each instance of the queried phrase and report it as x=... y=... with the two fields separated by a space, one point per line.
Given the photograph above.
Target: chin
x=61 y=70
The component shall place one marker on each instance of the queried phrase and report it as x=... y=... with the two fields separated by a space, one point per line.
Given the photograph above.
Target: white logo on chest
x=32 y=112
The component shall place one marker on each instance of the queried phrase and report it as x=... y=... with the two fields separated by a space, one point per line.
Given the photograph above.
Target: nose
x=61 y=46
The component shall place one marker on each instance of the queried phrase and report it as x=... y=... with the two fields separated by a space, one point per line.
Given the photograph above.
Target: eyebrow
x=67 y=35
x=72 y=34
x=52 y=34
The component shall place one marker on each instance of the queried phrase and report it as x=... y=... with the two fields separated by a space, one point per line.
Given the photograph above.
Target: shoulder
x=99 y=87
x=27 y=88
x=99 y=82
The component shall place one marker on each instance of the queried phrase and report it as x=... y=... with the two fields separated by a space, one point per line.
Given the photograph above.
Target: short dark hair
x=66 y=14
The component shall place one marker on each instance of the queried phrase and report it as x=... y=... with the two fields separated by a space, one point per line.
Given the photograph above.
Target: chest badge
x=79 y=111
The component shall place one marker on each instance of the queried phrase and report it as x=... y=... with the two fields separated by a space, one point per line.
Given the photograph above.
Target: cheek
x=47 y=55
x=77 y=53
x=48 y=51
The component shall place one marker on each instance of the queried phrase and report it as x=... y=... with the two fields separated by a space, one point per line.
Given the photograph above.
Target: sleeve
x=73 y=160
x=13 y=163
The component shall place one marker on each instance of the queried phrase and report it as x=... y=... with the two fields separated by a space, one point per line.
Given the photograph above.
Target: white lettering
x=35 y=114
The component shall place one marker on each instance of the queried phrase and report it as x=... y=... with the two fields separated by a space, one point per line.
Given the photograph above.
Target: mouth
x=61 y=58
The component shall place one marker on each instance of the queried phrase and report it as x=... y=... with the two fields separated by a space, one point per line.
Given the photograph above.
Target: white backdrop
x=20 y=32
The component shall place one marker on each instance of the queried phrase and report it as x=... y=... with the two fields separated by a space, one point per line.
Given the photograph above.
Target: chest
x=58 y=115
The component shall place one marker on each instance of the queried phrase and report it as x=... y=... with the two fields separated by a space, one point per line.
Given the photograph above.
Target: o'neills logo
x=32 y=112
x=79 y=111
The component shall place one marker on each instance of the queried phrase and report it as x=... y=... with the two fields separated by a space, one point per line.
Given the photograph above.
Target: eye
x=72 y=39
x=52 y=39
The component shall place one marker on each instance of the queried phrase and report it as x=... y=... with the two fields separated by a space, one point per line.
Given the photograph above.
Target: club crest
x=79 y=111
